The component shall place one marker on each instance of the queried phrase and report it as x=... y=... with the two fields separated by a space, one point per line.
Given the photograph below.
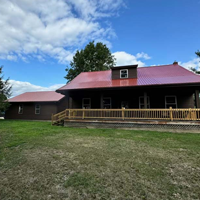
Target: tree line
x=96 y=57
x=5 y=91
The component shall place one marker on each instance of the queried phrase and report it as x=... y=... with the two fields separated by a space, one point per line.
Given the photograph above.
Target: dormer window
x=124 y=73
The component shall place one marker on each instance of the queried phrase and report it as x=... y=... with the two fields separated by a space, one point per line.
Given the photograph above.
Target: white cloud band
x=195 y=63
x=19 y=87
x=52 y=28
x=124 y=58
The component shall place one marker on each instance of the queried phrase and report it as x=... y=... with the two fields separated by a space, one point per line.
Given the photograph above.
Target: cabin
x=167 y=92
x=134 y=87
x=35 y=105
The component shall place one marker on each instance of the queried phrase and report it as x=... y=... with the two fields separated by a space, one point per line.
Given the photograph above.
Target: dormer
x=124 y=72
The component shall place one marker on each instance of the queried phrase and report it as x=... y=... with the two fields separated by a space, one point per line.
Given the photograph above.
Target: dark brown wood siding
x=186 y=101
x=29 y=111
x=132 y=73
x=62 y=104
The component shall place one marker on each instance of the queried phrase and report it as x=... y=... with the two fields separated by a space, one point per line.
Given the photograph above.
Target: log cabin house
x=134 y=88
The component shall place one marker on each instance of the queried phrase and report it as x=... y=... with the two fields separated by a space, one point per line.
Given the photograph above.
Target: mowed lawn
x=38 y=161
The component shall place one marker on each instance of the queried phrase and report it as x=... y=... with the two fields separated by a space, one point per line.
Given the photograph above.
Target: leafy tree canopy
x=95 y=57
x=194 y=69
x=5 y=92
x=198 y=53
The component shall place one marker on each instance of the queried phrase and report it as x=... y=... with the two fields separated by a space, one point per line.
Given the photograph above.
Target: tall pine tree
x=5 y=92
x=95 y=57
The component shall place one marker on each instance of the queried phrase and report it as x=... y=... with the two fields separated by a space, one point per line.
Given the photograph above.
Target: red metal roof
x=156 y=75
x=47 y=96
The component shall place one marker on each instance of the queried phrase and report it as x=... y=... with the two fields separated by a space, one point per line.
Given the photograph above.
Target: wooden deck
x=122 y=115
x=157 y=125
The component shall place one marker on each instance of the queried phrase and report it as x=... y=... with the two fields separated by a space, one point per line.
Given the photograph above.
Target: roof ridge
x=130 y=65
x=39 y=91
x=97 y=71
x=157 y=66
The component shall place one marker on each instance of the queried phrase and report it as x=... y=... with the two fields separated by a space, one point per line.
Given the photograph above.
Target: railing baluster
x=165 y=114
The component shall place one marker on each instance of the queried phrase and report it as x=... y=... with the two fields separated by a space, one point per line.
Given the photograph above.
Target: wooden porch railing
x=128 y=114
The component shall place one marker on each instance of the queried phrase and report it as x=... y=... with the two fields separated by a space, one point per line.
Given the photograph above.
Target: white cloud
x=8 y=57
x=123 y=58
x=19 y=87
x=92 y=9
x=195 y=63
x=143 y=55
x=53 y=28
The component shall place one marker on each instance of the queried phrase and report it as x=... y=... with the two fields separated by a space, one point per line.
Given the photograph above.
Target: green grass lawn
x=40 y=162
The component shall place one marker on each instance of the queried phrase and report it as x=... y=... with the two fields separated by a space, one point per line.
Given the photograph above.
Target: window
x=20 y=111
x=86 y=103
x=141 y=102
x=37 y=109
x=170 y=101
x=107 y=103
x=124 y=104
x=124 y=73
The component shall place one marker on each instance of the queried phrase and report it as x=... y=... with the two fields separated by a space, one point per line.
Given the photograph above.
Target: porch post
x=70 y=102
x=197 y=101
x=101 y=101
x=145 y=100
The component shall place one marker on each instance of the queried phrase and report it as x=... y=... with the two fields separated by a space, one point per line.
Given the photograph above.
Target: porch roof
x=43 y=96
x=156 y=75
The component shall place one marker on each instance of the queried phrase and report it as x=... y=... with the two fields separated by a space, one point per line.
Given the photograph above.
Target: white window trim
x=121 y=74
x=37 y=109
x=86 y=104
x=107 y=104
x=170 y=103
x=142 y=103
x=22 y=109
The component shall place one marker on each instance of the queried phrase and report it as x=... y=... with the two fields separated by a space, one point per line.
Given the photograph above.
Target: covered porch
x=160 y=104
x=134 y=98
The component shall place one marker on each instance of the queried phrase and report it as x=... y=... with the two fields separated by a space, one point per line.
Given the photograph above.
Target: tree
x=5 y=92
x=198 y=53
x=95 y=57
x=194 y=69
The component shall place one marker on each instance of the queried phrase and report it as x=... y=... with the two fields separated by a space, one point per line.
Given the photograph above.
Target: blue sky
x=39 y=38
